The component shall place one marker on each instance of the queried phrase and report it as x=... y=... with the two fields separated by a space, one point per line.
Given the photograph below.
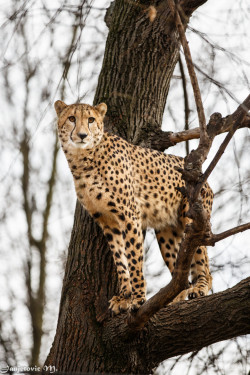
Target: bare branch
x=185 y=135
x=199 y=232
x=190 y=5
x=162 y=140
x=230 y=232
x=186 y=103
x=190 y=66
x=233 y=123
x=24 y=148
x=49 y=197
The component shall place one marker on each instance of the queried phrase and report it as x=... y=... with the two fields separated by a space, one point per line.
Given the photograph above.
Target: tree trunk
x=139 y=60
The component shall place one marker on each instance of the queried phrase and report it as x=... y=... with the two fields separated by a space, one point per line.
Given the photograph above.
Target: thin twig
x=190 y=66
x=234 y=123
x=230 y=232
x=217 y=157
x=186 y=103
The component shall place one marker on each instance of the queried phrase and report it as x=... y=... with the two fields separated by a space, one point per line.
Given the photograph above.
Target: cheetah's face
x=80 y=125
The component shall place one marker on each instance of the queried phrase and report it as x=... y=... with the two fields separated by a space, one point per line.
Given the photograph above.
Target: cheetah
x=127 y=188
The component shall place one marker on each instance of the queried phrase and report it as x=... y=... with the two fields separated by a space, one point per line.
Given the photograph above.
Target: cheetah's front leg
x=115 y=239
x=134 y=250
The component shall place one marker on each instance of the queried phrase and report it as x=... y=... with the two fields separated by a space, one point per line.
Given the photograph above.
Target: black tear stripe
x=74 y=112
x=72 y=133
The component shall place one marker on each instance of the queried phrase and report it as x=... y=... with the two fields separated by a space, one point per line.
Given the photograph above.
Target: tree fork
x=188 y=325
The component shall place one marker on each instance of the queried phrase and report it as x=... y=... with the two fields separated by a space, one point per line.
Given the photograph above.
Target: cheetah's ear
x=101 y=108
x=59 y=106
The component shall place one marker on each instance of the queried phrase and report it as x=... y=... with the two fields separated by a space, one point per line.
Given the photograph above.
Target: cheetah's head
x=80 y=125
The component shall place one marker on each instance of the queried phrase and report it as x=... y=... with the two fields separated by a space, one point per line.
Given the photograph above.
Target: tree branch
x=200 y=323
x=178 y=283
x=162 y=140
x=186 y=103
x=192 y=75
x=49 y=197
x=234 y=122
x=187 y=326
x=189 y=6
x=230 y=232
x=199 y=232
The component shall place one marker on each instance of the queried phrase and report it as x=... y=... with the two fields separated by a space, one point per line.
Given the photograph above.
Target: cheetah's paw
x=137 y=302
x=195 y=292
x=119 y=304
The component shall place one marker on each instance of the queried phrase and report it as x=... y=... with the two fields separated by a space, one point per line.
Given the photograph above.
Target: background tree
x=77 y=55
x=31 y=206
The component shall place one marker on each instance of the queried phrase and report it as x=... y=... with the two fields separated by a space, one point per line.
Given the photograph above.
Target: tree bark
x=139 y=60
x=186 y=326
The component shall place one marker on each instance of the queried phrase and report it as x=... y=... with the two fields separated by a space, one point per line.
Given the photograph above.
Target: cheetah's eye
x=72 y=119
x=91 y=119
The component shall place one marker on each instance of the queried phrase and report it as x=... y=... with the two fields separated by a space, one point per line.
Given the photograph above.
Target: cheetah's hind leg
x=200 y=274
x=201 y=277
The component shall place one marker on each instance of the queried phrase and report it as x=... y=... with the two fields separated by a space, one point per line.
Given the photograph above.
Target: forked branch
x=162 y=140
x=225 y=315
x=199 y=232
x=233 y=123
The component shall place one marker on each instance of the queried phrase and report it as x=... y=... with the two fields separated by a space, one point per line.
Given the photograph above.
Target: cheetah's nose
x=82 y=135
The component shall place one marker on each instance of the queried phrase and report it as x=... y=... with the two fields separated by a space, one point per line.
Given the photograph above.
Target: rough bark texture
x=185 y=326
x=139 y=60
x=89 y=279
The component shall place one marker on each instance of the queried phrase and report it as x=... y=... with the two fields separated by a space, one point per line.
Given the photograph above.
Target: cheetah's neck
x=81 y=161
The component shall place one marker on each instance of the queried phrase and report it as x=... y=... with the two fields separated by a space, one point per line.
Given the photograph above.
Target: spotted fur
x=126 y=189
